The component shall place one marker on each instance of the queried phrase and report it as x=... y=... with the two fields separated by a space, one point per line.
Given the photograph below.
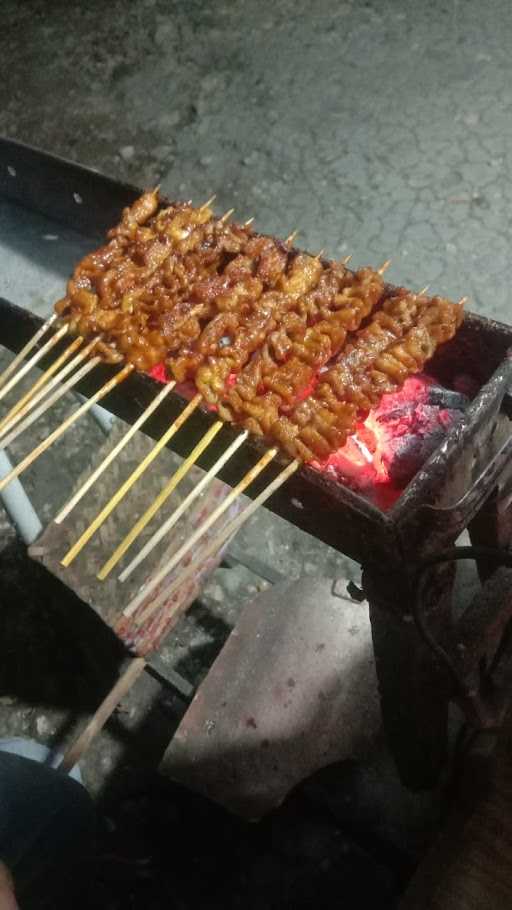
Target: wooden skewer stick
x=423 y=290
x=113 y=453
x=226 y=216
x=202 y=529
x=208 y=203
x=14 y=430
x=289 y=240
x=30 y=345
x=249 y=222
x=123 y=685
x=137 y=665
x=43 y=446
x=128 y=484
x=158 y=502
x=319 y=255
x=347 y=259
x=42 y=381
x=33 y=360
x=384 y=267
x=225 y=534
x=182 y=508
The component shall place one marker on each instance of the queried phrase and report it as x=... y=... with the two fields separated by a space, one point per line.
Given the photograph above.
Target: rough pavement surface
x=376 y=128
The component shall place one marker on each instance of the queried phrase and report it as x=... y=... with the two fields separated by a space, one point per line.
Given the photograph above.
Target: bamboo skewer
x=14 y=431
x=213 y=547
x=182 y=508
x=43 y=446
x=226 y=216
x=123 y=685
x=33 y=361
x=208 y=203
x=202 y=529
x=384 y=267
x=42 y=381
x=114 y=453
x=127 y=485
x=30 y=345
x=164 y=494
x=135 y=668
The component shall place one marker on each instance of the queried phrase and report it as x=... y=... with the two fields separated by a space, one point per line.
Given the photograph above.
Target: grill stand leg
x=414 y=688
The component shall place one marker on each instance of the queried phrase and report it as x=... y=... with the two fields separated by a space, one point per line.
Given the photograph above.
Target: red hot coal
x=395 y=439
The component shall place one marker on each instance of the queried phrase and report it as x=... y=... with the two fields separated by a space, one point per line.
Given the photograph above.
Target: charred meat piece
x=309 y=335
x=396 y=344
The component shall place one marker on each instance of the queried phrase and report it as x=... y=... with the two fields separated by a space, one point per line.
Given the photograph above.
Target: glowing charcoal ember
x=159 y=373
x=396 y=438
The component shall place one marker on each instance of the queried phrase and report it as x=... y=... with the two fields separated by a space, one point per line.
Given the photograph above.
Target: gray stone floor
x=379 y=128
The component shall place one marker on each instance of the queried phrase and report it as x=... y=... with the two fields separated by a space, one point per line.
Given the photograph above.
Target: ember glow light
x=394 y=440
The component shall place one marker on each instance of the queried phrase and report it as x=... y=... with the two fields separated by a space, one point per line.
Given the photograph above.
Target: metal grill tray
x=39 y=192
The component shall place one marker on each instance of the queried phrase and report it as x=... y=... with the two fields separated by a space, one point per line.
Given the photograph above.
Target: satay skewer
x=226 y=216
x=33 y=360
x=137 y=665
x=182 y=508
x=159 y=500
x=40 y=382
x=123 y=685
x=30 y=345
x=384 y=267
x=242 y=485
x=146 y=414
x=131 y=480
x=224 y=535
x=28 y=415
x=69 y=421
x=208 y=203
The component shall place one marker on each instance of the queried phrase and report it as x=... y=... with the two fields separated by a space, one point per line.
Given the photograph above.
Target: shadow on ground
x=160 y=845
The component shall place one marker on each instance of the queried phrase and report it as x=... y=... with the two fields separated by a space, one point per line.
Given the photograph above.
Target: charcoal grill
x=465 y=484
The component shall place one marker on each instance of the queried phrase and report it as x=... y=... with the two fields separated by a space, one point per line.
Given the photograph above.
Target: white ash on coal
x=395 y=439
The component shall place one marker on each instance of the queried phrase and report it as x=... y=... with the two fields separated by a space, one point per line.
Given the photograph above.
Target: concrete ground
x=377 y=128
